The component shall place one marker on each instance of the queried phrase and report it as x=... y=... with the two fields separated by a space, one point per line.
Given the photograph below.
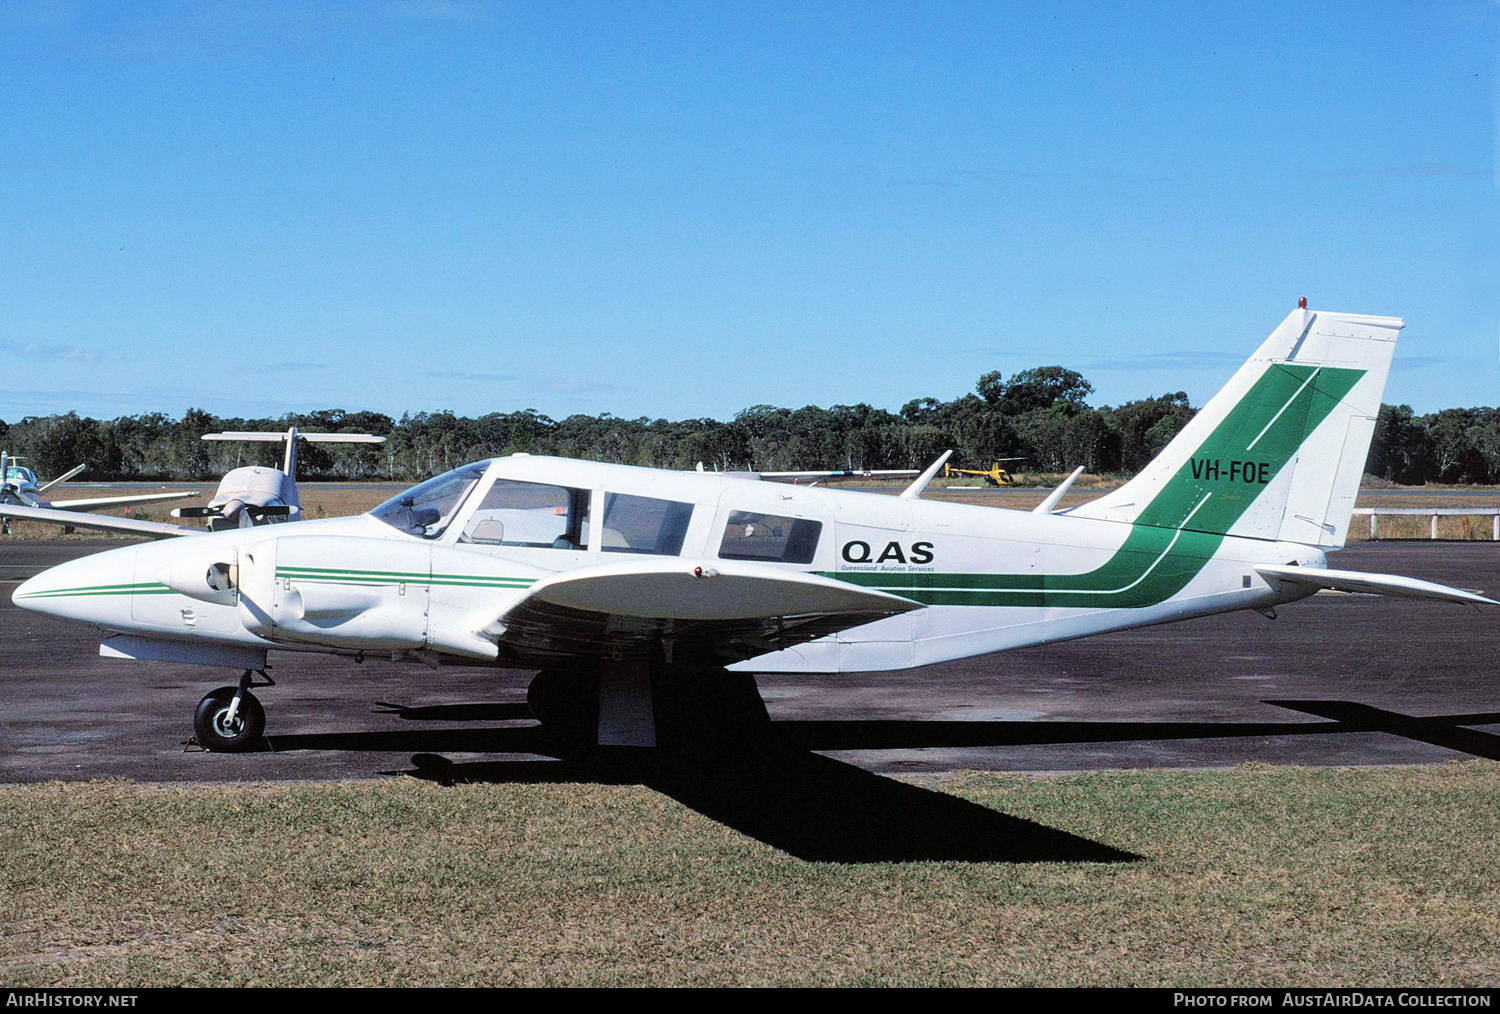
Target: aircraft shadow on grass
x=774 y=787
x=767 y=787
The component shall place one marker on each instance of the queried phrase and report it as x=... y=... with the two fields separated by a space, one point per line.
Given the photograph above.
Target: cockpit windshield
x=426 y=510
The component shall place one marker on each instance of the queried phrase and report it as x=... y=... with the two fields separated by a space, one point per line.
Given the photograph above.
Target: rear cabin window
x=642 y=524
x=530 y=514
x=767 y=538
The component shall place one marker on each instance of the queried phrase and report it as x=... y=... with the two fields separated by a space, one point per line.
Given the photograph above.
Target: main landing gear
x=230 y=719
x=641 y=704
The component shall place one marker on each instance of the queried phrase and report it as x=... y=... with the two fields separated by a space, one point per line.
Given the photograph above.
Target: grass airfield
x=1253 y=876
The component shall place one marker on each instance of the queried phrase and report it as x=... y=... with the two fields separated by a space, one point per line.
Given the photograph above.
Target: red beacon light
x=1302 y=302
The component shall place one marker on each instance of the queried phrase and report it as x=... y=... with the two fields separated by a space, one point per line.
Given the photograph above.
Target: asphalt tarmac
x=1333 y=680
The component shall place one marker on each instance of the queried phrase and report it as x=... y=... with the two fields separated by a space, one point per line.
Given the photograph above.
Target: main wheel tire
x=214 y=730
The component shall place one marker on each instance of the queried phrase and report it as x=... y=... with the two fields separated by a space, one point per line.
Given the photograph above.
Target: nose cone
x=94 y=589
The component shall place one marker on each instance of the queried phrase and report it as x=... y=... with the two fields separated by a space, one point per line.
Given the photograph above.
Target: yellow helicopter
x=994 y=475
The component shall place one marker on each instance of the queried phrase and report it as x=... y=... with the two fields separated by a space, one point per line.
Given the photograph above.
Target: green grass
x=1251 y=876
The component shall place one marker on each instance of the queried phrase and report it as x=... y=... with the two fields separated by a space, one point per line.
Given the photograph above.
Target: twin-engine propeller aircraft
x=631 y=586
x=19 y=487
x=256 y=495
x=247 y=496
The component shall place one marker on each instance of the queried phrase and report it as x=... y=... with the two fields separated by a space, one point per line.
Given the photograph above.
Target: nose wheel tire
x=217 y=730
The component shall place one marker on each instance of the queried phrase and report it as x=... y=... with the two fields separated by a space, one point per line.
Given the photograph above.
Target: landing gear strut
x=674 y=706
x=230 y=719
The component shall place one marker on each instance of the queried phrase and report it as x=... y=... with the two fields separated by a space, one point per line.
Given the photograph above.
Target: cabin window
x=426 y=510
x=642 y=524
x=767 y=538
x=530 y=514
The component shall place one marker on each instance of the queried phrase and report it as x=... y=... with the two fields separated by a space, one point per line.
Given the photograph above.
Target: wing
x=1375 y=584
x=116 y=501
x=714 y=612
x=842 y=473
x=130 y=526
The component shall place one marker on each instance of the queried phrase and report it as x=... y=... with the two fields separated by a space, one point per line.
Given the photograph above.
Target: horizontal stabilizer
x=312 y=438
x=129 y=526
x=1374 y=584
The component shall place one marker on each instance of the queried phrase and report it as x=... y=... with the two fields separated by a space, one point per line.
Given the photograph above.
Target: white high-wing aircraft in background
x=247 y=496
x=19 y=487
x=629 y=587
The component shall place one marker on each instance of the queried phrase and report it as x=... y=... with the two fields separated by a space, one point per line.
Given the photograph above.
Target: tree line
x=1039 y=415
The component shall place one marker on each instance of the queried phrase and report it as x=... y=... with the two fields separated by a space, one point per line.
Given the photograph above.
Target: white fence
x=1493 y=513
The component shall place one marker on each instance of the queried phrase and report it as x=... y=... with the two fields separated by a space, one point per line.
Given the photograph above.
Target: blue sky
x=681 y=210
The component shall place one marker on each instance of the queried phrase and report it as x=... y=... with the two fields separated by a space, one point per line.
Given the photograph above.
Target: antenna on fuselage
x=289 y=463
x=1045 y=507
x=914 y=491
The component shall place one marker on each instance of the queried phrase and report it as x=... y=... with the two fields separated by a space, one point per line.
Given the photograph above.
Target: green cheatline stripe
x=1182 y=527
x=338 y=575
x=152 y=588
x=390 y=575
x=517 y=582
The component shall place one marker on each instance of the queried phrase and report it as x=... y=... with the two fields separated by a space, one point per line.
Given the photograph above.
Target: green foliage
x=1045 y=387
x=1039 y=415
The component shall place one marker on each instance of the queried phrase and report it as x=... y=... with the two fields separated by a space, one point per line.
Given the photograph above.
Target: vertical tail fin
x=1278 y=453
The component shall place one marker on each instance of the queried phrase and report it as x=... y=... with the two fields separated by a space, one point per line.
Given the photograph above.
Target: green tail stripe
x=1179 y=531
x=1261 y=432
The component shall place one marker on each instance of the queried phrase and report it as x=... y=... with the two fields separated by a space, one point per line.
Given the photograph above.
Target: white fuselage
x=360 y=584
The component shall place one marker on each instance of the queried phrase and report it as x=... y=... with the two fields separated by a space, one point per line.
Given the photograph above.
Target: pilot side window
x=767 y=538
x=642 y=524
x=530 y=514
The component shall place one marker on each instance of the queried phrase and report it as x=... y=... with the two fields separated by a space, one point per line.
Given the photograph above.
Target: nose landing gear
x=231 y=719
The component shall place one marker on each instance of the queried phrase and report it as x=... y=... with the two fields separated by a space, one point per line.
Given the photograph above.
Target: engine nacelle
x=336 y=590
